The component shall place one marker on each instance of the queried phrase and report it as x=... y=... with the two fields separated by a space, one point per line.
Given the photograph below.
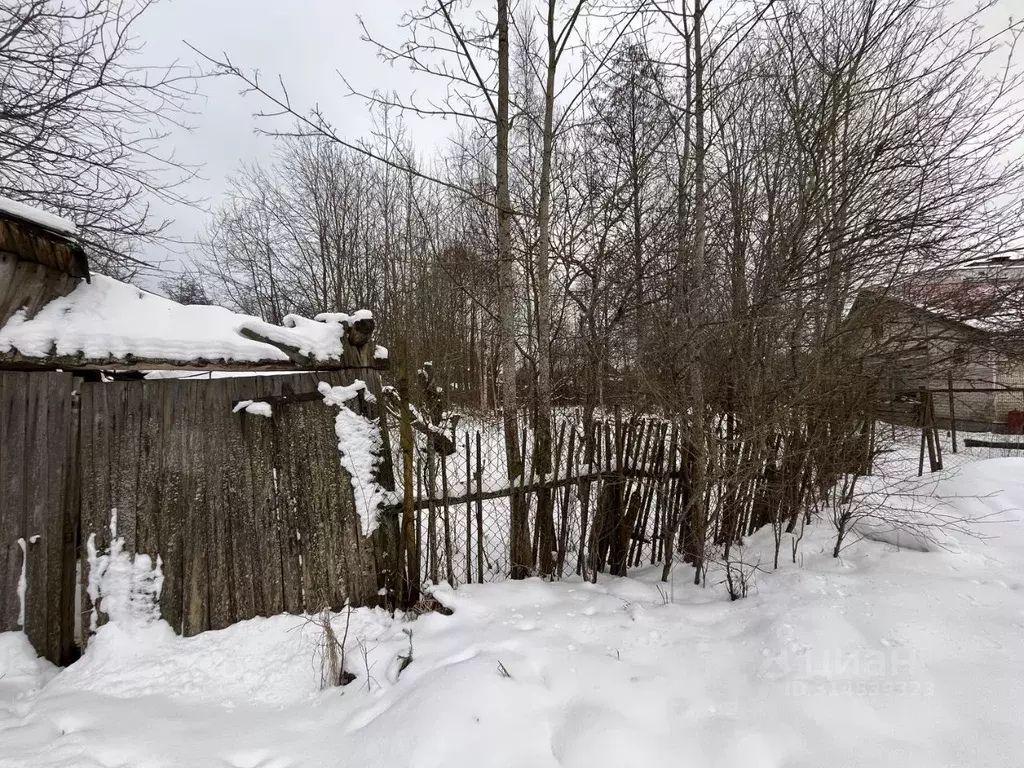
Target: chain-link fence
x=613 y=488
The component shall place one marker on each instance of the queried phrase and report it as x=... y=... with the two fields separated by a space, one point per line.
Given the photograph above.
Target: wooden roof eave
x=32 y=242
x=19 y=362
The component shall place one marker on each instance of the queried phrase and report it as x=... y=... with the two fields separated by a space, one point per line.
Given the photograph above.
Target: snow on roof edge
x=108 y=321
x=38 y=216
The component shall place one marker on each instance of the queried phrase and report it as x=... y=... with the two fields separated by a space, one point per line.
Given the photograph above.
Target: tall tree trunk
x=542 y=440
x=521 y=550
x=682 y=341
x=698 y=513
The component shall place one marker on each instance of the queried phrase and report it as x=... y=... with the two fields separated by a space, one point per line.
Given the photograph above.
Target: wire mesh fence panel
x=610 y=491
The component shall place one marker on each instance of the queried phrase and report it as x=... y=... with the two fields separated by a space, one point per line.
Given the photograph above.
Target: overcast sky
x=307 y=42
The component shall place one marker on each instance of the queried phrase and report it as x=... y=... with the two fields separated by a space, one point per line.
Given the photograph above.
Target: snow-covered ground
x=884 y=657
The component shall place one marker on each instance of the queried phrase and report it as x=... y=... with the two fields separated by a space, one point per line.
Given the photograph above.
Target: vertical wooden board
x=386 y=469
x=363 y=572
x=36 y=470
x=108 y=462
x=257 y=454
x=291 y=573
x=257 y=443
x=125 y=399
x=222 y=513
x=8 y=547
x=86 y=490
x=352 y=552
x=167 y=397
x=356 y=574
x=320 y=507
x=238 y=561
x=263 y=567
x=344 y=558
x=298 y=460
x=218 y=542
x=266 y=519
x=34 y=489
x=238 y=474
x=149 y=475
x=371 y=377
x=247 y=554
x=57 y=437
x=331 y=504
x=12 y=510
x=96 y=426
x=289 y=534
x=195 y=513
x=279 y=510
x=6 y=528
x=72 y=523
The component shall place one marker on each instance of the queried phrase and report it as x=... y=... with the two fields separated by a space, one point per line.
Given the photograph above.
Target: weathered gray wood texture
x=39 y=505
x=251 y=516
x=32 y=242
x=29 y=286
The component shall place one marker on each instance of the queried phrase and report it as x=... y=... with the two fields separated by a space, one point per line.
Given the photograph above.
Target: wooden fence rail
x=425 y=502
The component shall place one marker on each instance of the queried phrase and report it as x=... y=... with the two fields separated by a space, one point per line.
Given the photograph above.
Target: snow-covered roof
x=108 y=323
x=37 y=216
x=30 y=235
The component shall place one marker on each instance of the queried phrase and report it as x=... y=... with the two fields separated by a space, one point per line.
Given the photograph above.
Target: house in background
x=1007 y=269
x=235 y=483
x=962 y=340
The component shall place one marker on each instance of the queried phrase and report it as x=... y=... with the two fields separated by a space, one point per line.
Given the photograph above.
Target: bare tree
x=708 y=217
x=80 y=120
x=185 y=288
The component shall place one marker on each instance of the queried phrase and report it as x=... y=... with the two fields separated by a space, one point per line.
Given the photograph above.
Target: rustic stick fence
x=251 y=516
x=613 y=487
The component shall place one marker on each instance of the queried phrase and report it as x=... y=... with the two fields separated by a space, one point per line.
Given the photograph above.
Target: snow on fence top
x=341 y=317
x=37 y=216
x=108 y=321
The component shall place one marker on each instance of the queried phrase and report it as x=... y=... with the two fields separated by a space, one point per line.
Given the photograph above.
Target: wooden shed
x=125 y=415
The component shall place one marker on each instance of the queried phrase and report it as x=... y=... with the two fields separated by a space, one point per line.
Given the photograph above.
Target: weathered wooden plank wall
x=39 y=506
x=251 y=516
x=28 y=286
